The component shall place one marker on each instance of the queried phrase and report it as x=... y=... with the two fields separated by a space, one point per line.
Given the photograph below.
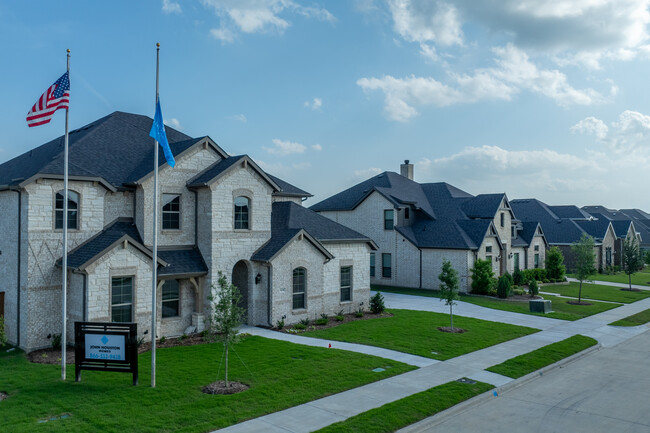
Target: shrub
x=482 y=277
x=504 y=286
x=56 y=341
x=533 y=290
x=280 y=323
x=139 y=342
x=183 y=337
x=359 y=313
x=518 y=277
x=300 y=326
x=163 y=339
x=518 y=291
x=304 y=322
x=555 y=268
x=3 y=334
x=204 y=333
x=534 y=274
x=322 y=321
x=377 y=303
x=339 y=317
x=509 y=277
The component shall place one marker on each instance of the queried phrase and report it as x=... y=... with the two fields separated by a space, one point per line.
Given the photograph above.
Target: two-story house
x=216 y=213
x=417 y=225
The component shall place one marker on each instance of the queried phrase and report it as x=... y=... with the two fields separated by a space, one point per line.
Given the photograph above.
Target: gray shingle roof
x=184 y=261
x=288 y=219
x=569 y=211
x=482 y=206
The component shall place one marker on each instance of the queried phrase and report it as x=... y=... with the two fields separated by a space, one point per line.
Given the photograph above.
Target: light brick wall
x=537 y=240
x=608 y=242
x=346 y=254
x=296 y=200
x=496 y=252
x=118 y=204
x=505 y=234
x=9 y=259
x=175 y=326
x=522 y=257
x=461 y=261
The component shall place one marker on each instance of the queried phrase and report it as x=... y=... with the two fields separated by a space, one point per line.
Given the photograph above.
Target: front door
x=240 y=279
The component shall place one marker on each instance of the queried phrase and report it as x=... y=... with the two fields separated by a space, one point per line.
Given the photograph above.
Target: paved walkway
x=609 y=283
x=320 y=413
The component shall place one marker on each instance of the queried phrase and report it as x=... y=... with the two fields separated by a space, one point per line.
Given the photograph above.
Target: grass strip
x=637 y=319
x=527 y=363
x=639 y=278
x=597 y=291
x=280 y=375
x=401 y=413
x=561 y=308
x=416 y=332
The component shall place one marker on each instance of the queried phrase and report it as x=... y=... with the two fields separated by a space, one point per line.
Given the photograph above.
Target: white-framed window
x=171 y=212
x=242 y=213
x=122 y=299
x=170 y=299
x=299 y=287
x=73 y=210
x=389 y=219
x=488 y=248
x=346 y=283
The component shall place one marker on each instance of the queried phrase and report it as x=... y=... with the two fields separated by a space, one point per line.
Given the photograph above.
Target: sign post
x=106 y=346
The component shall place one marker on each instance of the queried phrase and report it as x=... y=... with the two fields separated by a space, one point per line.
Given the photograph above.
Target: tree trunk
x=629 y=278
x=451 y=316
x=580 y=292
x=226 y=344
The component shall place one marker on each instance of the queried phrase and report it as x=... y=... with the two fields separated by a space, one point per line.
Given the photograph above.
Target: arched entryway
x=240 y=277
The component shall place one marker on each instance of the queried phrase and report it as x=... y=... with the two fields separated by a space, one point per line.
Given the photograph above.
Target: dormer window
x=73 y=210
x=171 y=212
x=242 y=213
x=406 y=213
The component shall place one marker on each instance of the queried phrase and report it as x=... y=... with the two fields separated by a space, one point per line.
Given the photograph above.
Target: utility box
x=540 y=306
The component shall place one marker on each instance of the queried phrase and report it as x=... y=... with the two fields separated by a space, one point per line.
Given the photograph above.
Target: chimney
x=406 y=169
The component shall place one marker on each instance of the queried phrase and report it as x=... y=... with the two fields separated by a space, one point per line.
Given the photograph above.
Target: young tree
x=555 y=268
x=583 y=250
x=482 y=277
x=226 y=315
x=449 y=287
x=632 y=258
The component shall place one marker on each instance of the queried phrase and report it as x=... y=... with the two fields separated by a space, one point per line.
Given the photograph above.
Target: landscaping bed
x=416 y=332
x=280 y=375
x=332 y=321
x=527 y=363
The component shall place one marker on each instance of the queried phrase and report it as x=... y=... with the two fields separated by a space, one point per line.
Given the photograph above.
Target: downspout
x=18 y=282
x=269 y=286
x=420 y=249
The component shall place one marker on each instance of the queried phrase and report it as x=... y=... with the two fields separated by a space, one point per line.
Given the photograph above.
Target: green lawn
x=401 y=413
x=635 y=320
x=561 y=308
x=641 y=278
x=416 y=332
x=597 y=291
x=281 y=375
x=527 y=363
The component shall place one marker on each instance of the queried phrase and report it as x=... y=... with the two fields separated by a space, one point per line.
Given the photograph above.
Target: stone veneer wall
x=9 y=260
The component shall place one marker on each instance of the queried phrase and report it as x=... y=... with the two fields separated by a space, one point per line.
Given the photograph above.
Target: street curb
x=441 y=417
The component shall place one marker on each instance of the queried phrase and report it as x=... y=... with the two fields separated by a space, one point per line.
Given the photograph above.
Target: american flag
x=55 y=97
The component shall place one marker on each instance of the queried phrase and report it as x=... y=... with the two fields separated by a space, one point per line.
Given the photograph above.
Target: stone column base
x=198 y=321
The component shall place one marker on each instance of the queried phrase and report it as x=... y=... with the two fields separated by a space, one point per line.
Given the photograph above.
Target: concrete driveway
x=605 y=391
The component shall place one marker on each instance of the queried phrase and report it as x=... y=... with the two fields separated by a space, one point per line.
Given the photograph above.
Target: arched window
x=73 y=210
x=299 y=287
x=242 y=213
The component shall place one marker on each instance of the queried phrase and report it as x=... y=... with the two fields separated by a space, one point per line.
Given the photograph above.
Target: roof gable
x=220 y=168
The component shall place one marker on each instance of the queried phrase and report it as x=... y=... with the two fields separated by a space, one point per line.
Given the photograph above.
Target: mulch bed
x=219 y=387
x=578 y=303
x=450 y=330
x=332 y=322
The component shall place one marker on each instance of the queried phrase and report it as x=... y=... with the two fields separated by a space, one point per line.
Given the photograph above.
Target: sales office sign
x=106 y=346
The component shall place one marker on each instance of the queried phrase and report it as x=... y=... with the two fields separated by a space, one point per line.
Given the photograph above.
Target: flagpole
x=64 y=269
x=154 y=278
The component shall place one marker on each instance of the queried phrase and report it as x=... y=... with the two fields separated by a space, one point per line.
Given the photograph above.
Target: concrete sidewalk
x=320 y=413
x=608 y=283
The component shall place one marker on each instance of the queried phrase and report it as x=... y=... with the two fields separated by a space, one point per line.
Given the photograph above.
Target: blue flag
x=158 y=133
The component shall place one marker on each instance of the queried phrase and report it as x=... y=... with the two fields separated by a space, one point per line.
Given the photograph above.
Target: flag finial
x=68 y=51
x=158 y=44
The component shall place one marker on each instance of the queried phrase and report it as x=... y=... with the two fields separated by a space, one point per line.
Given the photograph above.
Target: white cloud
x=301 y=165
x=238 y=117
x=367 y=172
x=427 y=21
x=259 y=16
x=174 y=123
x=630 y=132
x=223 y=34
x=171 y=7
x=513 y=73
x=285 y=147
x=314 y=104
x=577 y=31
x=317 y=147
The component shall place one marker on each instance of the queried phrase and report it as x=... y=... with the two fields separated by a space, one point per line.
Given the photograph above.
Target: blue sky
x=532 y=98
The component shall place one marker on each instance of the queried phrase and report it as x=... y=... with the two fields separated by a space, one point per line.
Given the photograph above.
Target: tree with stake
x=632 y=258
x=583 y=250
x=449 y=287
x=226 y=316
